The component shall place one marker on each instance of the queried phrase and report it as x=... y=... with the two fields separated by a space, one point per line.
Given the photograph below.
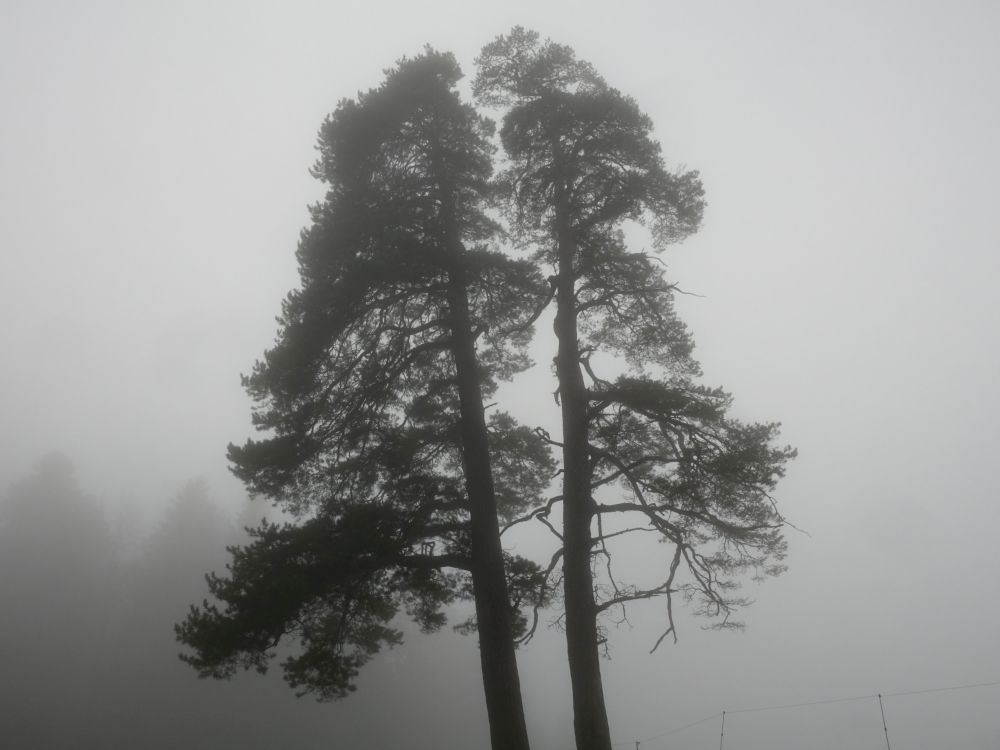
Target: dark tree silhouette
x=372 y=399
x=582 y=163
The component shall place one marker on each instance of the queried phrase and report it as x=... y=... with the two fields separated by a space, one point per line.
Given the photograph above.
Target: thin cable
x=942 y=689
x=664 y=734
x=800 y=705
x=681 y=729
x=866 y=697
x=818 y=703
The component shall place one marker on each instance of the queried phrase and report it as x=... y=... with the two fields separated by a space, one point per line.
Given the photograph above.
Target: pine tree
x=582 y=163
x=373 y=400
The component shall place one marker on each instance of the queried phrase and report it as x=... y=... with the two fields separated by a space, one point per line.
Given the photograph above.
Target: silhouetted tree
x=582 y=163
x=373 y=400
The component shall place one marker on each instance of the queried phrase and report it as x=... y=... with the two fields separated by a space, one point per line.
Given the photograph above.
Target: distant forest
x=88 y=657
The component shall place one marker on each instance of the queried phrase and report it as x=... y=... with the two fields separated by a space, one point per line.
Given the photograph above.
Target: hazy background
x=153 y=180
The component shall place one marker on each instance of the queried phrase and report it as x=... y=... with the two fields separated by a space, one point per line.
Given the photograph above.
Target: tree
x=373 y=400
x=146 y=687
x=582 y=163
x=189 y=539
x=56 y=585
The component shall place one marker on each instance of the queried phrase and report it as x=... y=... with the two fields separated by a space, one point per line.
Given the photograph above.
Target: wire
x=814 y=703
x=799 y=705
x=681 y=729
x=669 y=731
x=941 y=689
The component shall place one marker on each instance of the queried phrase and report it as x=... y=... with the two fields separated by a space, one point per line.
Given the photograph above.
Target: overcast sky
x=154 y=177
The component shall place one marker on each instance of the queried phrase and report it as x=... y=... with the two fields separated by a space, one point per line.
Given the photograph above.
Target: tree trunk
x=493 y=613
x=590 y=718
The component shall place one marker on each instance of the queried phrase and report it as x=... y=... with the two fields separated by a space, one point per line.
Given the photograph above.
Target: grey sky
x=154 y=176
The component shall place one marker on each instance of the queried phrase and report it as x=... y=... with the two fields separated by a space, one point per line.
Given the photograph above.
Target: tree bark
x=590 y=719
x=504 y=706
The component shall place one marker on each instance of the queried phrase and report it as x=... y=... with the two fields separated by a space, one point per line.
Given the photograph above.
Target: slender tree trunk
x=493 y=612
x=590 y=718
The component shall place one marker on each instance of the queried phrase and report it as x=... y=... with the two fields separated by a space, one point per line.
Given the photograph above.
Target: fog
x=154 y=178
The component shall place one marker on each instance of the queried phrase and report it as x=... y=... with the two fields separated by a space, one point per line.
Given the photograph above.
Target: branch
x=543 y=587
x=602 y=539
x=670 y=602
x=622 y=532
x=536 y=314
x=635 y=464
x=538 y=513
x=634 y=595
x=433 y=562
x=585 y=361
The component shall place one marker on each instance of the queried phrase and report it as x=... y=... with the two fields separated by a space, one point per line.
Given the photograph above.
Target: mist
x=154 y=174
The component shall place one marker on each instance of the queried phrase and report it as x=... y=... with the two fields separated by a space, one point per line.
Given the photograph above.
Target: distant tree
x=189 y=539
x=582 y=163
x=56 y=591
x=146 y=689
x=372 y=399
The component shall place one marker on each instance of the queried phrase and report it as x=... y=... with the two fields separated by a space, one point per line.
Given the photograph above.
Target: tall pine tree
x=583 y=163
x=373 y=404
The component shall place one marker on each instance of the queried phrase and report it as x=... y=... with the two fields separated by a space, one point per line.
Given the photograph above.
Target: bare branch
x=542 y=590
x=535 y=513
